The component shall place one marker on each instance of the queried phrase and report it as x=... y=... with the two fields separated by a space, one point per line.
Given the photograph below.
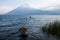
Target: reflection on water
x=9 y=26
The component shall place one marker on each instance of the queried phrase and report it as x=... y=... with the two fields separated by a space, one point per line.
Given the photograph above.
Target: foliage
x=52 y=28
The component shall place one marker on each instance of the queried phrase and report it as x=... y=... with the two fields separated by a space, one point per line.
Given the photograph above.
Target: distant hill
x=31 y=11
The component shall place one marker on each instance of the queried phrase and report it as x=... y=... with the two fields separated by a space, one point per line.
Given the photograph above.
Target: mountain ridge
x=31 y=11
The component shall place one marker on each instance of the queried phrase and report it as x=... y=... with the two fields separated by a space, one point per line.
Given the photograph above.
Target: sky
x=8 y=5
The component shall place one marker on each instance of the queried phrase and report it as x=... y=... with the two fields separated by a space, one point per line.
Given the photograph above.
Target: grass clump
x=52 y=28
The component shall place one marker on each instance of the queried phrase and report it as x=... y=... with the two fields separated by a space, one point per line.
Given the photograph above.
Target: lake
x=10 y=24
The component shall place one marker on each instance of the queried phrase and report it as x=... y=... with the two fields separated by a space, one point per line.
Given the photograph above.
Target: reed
x=52 y=28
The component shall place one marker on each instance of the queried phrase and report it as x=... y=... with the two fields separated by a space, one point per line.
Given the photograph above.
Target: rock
x=23 y=32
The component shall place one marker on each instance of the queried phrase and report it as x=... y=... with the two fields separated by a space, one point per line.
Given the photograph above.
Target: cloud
x=44 y=4
x=54 y=6
x=8 y=5
x=5 y=9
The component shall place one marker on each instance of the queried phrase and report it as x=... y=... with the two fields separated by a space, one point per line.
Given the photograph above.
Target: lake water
x=9 y=26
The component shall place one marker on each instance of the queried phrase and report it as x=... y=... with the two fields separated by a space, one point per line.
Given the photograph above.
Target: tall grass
x=52 y=28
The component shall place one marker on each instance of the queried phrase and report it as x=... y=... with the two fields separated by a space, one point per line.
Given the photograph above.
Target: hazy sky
x=8 y=5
